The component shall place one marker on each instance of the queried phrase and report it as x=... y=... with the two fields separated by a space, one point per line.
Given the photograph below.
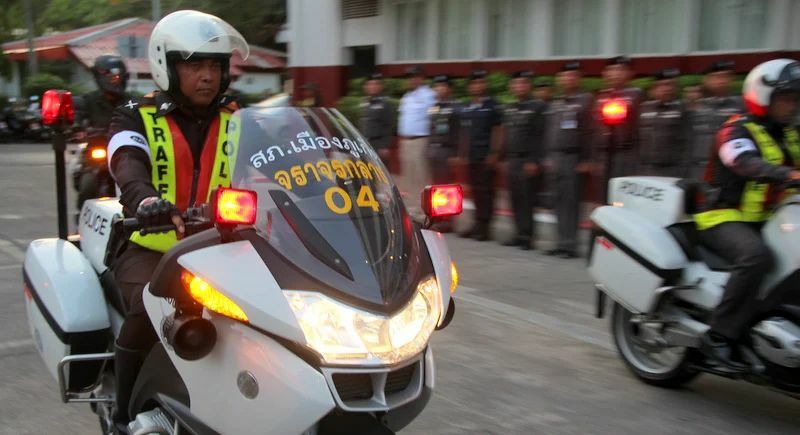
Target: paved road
x=523 y=355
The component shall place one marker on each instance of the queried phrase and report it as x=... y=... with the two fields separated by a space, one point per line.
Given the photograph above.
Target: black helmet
x=110 y=74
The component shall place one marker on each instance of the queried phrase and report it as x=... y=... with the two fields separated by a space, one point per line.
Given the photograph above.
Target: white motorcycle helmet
x=767 y=79
x=188 y=33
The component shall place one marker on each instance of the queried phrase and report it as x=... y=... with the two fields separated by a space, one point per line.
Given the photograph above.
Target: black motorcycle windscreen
x=327 y=204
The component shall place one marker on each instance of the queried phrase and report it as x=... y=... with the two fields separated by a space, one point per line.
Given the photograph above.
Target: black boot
x=719 y=350
x=127 y=363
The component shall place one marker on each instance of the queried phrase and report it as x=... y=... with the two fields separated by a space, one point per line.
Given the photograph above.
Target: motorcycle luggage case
x=631 y=258
x=66 y=310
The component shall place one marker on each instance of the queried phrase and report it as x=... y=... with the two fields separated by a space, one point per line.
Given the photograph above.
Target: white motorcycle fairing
x=65 y=305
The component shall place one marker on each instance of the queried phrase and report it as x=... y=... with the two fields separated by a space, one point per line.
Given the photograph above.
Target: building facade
x=333 y=40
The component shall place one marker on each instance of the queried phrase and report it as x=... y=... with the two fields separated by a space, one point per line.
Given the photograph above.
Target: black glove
x=155 y=212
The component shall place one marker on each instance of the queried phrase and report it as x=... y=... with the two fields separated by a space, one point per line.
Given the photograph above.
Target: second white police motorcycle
x=304 y=301
x=664 y=284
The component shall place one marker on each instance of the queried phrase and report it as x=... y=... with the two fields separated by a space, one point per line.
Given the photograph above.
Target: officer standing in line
x=621 y=152
x=523 y=134
x=571 y=142
x=543 y=91
x=480 y=134
x=711 y=112
x=662 y=129
x=443 y=141
x=378 y=116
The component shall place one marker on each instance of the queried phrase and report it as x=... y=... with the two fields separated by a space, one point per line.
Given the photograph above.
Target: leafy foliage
x=38 y=83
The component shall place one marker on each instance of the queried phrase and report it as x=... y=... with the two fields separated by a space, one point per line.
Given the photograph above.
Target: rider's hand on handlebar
x=157 y=212
x=794 y=175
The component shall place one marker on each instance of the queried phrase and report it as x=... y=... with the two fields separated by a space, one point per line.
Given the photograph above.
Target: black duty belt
x=514 y=155
x=413 y=137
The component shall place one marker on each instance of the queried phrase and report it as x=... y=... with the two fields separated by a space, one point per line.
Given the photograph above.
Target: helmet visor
x=210 y=36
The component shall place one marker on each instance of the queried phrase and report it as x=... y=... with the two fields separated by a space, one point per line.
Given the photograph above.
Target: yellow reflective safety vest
x=753 y=205
x=173 y=173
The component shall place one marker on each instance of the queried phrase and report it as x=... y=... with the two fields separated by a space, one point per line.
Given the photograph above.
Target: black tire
x=672 y=376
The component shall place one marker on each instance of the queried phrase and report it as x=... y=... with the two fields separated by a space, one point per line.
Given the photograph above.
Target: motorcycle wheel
x=87 y=188
x=654 y=364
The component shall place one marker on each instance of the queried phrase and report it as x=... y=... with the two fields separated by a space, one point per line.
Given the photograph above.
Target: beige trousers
x=413 y=172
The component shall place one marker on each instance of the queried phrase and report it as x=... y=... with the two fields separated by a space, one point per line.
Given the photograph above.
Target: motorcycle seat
x=685 y=233
x=112 y=292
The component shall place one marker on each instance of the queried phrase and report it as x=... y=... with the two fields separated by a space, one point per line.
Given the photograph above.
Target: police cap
x=667 y=74
x=720 y=66
x=442 y=78
x=619 y=60
x=375 y=76
x=571 y=66
x=477 y=74
x=524 y=74
x=543 y=83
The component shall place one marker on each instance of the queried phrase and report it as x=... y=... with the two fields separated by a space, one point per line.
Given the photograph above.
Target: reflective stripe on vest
x=752 y=207
x=174 y=183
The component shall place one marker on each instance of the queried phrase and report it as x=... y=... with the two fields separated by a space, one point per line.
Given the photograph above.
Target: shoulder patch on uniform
x=732 y=149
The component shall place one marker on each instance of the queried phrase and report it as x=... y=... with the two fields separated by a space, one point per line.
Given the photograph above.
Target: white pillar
x=432 y=30
x=779 y=24
x=316 y=33
x=794 y=35
x=388 y=17
x=610 y=29
x=540 y=20
x=691 y=15
x=480 y=24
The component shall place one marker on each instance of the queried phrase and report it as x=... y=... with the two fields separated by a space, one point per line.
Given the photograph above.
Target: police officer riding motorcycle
x=93 y=118
x=754 y=154
x=166 y=154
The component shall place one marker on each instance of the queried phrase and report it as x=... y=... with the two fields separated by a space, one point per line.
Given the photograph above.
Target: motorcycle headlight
x=347 y=335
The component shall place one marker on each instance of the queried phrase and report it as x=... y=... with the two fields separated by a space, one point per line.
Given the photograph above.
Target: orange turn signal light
x=235 y=206
x=211 y=298
x=98 y=154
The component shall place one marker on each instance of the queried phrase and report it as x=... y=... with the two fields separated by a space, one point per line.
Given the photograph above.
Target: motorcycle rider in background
x=164 y=146
x=753 y=155
x=92 y=121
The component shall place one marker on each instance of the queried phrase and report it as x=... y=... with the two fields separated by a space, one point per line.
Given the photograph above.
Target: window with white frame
x=410 y=30
x=509 y=31
x=577 y=27
x=649 y=26
x=455 y=29
x=732 y=24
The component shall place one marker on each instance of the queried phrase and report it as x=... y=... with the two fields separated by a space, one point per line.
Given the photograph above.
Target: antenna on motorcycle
x=58 y=113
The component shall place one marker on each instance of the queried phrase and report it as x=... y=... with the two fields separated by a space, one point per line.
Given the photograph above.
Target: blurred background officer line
x=710 y=112
x=662 y=129
x=571 y=136
x=543 y=91
x=443 y=140
x=523 y=150
x=378 y=116
x=480 y=134
x=414 y=128
x=621 y=151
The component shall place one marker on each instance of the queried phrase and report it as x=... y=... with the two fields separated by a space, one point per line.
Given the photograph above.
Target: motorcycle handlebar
x=194 y=218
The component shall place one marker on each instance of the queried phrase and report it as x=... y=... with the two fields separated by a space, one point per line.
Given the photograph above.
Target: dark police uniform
x=443 y=140
x=524 y=143
x=378 y=116
x=705 y=121
x=94 y=110
x=662 y=139
x=476 y=123
x=571 y=142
